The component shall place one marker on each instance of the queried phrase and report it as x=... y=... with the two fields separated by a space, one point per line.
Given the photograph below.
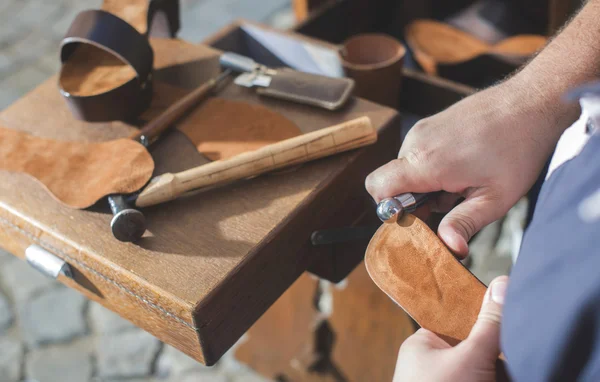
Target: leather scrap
x=221 y=128
x=77 y=174
x=413 y=267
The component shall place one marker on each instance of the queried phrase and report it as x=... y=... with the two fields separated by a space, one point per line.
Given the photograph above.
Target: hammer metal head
x=128 y=225
x=389 y=210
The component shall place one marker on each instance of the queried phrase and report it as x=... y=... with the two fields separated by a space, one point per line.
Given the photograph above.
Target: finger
x=399 y=176
x=467 y=218
x=485 y=335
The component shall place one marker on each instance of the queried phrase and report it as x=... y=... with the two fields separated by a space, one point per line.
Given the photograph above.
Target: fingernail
x=498 y=292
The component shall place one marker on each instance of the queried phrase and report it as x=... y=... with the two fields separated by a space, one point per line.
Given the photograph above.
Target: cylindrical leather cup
x=375 y=63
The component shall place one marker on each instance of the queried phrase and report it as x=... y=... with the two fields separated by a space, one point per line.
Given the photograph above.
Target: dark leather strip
x=115 y=36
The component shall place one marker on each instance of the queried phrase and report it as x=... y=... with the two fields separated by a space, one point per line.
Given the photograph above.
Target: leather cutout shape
x=221 y=128
x=448 y=52
x=77 y=174
x=414 y=268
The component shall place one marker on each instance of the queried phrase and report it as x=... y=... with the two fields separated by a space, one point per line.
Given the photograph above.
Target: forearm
x=570 y=59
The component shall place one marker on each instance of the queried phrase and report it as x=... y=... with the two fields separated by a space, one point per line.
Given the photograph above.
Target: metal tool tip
x=389 y=209
x=128 y=225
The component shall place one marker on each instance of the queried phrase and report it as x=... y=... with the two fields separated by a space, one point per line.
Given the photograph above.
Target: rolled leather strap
x=115 y=36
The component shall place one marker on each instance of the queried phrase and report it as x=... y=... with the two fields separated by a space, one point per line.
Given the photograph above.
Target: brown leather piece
x=77 y=174
x=413 y=267
x=375 y=62
x=448 y=52
x=221 y=128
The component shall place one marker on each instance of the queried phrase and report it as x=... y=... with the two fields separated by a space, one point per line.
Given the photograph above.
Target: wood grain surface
x=284 y=337
x=212 y=262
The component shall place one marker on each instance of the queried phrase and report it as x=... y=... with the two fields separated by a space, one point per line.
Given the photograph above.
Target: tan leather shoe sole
x=413 y=267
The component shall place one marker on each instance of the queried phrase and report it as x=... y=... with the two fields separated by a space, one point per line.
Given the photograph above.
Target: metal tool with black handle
x=389 y=210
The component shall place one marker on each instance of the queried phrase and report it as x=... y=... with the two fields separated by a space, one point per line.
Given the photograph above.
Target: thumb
x=466 y=219
x=399 y=176
x=485 y=334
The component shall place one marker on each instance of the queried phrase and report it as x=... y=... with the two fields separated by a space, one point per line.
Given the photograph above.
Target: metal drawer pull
x=46 y=262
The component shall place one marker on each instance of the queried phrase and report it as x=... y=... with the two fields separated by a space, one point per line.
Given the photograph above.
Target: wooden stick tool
x=304 y=148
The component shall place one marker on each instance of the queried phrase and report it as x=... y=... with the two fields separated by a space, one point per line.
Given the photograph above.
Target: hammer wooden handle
x=317 y=144
x=159 y=124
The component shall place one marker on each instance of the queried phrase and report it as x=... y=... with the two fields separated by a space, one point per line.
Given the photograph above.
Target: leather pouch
x=77 y=174
x=325 y=92
x=413 y=267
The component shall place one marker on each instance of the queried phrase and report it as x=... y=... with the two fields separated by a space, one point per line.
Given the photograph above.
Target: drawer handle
x=46 y=262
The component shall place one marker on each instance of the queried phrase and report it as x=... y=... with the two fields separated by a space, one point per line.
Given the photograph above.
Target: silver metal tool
x=253 y=73
x=389 y=210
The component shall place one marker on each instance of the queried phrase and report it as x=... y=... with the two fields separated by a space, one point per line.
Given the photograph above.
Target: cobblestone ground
x=49 y=333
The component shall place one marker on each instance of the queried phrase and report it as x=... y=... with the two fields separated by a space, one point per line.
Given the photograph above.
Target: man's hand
x=489 y=148
x=425 y=357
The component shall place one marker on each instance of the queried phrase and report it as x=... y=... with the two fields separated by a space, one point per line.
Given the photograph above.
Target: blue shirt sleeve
x=551 y=324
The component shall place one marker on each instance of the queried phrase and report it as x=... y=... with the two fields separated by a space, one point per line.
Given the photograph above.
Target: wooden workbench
x=210 y=265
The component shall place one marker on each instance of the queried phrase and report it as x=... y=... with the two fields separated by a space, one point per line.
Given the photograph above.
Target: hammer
x=129 y=224
x=321 y=143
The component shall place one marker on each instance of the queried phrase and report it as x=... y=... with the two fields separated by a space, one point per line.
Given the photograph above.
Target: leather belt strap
x=115 y=36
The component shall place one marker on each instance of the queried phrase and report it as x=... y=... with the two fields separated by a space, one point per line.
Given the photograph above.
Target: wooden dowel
x=317 y=144
x=178 y=109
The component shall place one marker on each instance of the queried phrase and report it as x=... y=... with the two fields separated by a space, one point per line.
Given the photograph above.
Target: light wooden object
x=293 y=151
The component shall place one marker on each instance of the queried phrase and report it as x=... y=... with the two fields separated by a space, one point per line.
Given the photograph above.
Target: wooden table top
x=210 y=264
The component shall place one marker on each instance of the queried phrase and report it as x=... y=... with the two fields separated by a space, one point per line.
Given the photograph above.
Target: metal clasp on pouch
x=46 y=262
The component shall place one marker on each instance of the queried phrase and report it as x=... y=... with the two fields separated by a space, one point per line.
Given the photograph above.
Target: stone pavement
x=49 y=333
